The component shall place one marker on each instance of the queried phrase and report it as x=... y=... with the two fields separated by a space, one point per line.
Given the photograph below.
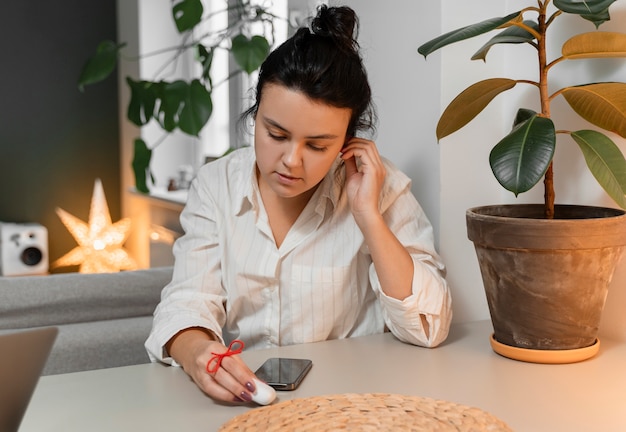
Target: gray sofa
x=103 y=319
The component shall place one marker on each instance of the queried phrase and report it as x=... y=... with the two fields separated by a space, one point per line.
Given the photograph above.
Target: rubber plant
x=185 y=105
x=524 y=157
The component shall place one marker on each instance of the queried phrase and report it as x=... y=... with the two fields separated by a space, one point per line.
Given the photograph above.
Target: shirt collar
x=249 y=190
x=330 y=188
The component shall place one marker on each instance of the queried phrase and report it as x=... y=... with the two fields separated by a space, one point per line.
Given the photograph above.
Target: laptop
x=23 y=355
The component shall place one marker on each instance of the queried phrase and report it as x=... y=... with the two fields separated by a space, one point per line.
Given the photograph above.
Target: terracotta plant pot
x=546 y=281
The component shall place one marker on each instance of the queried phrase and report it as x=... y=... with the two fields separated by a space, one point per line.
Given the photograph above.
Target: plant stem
x=548 y=180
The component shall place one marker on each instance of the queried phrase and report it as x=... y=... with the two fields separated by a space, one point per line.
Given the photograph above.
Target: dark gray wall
x=54 y=140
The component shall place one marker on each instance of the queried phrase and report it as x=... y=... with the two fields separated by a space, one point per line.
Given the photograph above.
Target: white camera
x=23 y=249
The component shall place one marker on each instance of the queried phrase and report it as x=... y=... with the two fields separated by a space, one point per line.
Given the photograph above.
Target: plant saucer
x=545 y=356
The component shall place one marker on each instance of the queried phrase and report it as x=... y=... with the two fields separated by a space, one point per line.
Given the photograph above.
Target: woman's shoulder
x=395 y=179
x=396 y=184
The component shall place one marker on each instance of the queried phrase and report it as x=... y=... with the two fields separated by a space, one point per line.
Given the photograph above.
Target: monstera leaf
x=143 y=97
x=184 y=105
x=250 y=53
x=187 y=14
x=100 y=66
x=141 y=165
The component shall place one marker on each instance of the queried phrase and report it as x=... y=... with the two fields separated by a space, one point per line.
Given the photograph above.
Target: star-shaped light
x=100 y=242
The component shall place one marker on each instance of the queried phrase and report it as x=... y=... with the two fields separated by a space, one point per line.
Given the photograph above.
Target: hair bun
x=337 y=23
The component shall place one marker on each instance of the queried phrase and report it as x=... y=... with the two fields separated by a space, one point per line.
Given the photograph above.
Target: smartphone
x=284 y=373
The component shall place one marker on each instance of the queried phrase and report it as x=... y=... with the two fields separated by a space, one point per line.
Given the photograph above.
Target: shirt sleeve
x=195 y=296
x=424 y=317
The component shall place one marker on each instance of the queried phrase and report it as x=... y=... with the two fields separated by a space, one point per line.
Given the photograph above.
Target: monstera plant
x=524 y=157
x=546 y=267
x=180 y=104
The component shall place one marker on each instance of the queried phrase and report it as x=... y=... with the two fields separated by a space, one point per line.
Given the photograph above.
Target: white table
x=585 y=396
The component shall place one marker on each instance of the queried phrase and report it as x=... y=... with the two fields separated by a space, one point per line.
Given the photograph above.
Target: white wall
x=410 y=93
x=454 y=175
x=466 y=179
x=405 y=89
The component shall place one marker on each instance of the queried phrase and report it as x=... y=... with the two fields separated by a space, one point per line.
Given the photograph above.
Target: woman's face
x=296 y=140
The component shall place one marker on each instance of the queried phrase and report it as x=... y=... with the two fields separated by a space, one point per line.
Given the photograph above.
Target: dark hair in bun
x=324 y=63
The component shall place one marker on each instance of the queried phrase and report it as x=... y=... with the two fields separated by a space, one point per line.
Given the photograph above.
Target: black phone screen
x=284 y=373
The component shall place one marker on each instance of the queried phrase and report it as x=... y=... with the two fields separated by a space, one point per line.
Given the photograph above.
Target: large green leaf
x=186 y=106
x=583 y=7
x=141 y=165
x=100 y=66
x=522 y=115
x=463 y=33
x=595 y=45
x=250 y=53
x=521 y=158
x=599 y=18
x=602 y=104
x=197 y=109
x=596 y=11
x=172 y=102
x=605 y=161
x=187 y=14
x=511 y=35
x=143 y=95
x=469 y=103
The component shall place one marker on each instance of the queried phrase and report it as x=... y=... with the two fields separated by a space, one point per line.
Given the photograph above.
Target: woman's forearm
x=394 y=265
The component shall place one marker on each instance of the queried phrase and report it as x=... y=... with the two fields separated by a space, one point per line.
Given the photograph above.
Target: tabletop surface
x=584 y=396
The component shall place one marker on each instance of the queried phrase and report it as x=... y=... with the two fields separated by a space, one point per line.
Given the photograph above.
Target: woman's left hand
x=365 y=174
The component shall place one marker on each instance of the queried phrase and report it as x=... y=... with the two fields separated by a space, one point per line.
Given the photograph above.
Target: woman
x=306 y=236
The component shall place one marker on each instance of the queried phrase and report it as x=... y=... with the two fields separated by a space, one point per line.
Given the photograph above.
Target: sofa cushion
x=99 y=345
x=37 y=301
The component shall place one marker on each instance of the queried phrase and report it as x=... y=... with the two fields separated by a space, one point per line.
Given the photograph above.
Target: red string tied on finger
x=214 y=363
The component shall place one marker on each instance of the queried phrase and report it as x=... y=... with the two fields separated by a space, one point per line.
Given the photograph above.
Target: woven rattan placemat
x=378 y=412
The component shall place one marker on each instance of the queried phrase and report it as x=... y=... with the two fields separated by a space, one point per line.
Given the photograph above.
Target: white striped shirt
x=320 y=284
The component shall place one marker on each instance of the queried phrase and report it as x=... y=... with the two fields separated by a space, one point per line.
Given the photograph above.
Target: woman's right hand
x=233 y=381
